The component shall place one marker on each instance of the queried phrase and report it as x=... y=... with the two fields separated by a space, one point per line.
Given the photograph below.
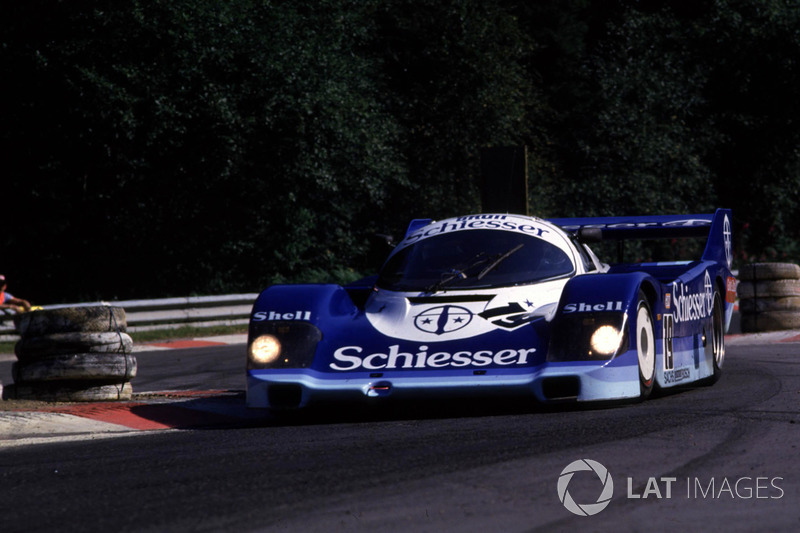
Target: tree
x=454 y=77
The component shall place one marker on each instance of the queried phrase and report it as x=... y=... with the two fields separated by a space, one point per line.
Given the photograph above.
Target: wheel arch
x=651 y=293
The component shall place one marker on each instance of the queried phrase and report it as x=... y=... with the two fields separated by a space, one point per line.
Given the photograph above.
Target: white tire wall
x=75 y=342
x=98 y=366
x=73 y=354
x=769 y=297
x=90 y=318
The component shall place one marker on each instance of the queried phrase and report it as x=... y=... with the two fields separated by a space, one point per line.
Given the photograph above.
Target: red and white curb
x=145 y=412
x=219 y=340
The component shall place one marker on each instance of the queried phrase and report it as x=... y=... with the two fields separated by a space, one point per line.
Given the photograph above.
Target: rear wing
x=715 y=227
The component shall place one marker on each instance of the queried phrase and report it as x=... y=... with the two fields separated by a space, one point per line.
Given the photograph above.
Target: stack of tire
x=769 y=297
x=73 y=354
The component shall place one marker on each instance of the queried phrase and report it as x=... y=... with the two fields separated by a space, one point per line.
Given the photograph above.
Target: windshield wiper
x=446 y=278
x=499 y=260
x=461 y=274
x=455 y=273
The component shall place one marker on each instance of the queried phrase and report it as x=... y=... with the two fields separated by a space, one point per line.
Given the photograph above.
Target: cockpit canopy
x=479 y=258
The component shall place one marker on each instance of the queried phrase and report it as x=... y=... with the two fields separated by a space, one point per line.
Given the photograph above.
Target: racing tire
x=71 y=391
x=645 y=347
x=770 y=321
x=715 y=338
x=777 y=288
x=767 y=271
x=28 y=348
x=90 y=318
x=759 y=305
x=70 y=367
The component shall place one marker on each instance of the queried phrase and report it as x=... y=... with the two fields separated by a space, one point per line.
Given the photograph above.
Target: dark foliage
x=166 y=148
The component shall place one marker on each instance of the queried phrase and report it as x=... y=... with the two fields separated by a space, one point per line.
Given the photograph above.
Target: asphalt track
x=703 y=458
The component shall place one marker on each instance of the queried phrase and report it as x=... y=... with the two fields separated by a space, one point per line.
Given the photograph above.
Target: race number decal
x=669 y=331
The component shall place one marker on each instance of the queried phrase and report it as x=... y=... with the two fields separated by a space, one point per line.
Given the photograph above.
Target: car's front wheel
x=645 y=346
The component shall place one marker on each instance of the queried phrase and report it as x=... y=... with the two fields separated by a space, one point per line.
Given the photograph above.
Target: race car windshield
x=474 y=259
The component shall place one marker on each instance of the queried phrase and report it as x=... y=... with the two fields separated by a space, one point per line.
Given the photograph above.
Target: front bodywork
x=486 y=328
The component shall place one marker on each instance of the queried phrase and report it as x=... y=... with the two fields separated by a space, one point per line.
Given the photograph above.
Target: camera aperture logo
x=585 y=509
x=596 y=479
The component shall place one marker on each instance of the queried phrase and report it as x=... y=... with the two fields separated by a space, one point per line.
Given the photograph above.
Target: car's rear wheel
x=715 y=338
x=645 y=347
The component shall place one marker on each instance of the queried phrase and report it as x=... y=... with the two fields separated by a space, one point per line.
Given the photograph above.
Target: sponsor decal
x=511 y=316
x=275 y=315
x=482 y=217
x=510 y=309
x=693 y=305
x=730 y=290
x=581 y=307
x=449 y=318
x=352 y=358
x=688 y=222
x=443 y=319
x=676 y=376
x=726 y=236
x=477 y=222
x=461 y=316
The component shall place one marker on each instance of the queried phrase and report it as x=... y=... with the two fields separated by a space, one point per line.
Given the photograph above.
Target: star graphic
x=426 y=321
x=528 y=303
x=458 y=320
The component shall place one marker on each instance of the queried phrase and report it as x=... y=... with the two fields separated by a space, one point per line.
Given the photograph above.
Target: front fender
x=590 y=302
x=286 y=323
x=594 y=293
x=314 y=303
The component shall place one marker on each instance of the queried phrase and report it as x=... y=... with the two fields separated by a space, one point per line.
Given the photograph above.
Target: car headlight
x=282 y=344
x=605 y=341
x=588 y=337
x=265 y=349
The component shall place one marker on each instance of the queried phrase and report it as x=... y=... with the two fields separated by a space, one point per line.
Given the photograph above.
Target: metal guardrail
x=165 y=313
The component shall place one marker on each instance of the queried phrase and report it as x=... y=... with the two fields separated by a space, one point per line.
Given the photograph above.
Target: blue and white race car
x=498 y=304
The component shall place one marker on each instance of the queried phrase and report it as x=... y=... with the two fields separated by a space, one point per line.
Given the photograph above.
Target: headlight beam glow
x=265 y=350
x=605 y=341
